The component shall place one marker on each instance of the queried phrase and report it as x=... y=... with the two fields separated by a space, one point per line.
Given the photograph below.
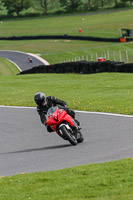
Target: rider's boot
x=77 y=122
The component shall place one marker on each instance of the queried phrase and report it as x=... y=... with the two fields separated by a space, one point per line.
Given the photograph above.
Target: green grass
x=90 y=51
x=106 y=92
x=101 y=25
x=54 y=51
x=7 y=68
x=106 y=181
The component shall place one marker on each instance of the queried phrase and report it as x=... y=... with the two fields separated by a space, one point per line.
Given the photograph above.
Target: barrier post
x=91 y=57
x=108 y=55
x=114 y=56
x=126 y=56
x=86 y=57
x=96 y=56
x=120 y=55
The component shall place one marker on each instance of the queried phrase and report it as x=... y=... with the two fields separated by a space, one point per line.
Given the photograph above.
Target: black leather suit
x=52 y=101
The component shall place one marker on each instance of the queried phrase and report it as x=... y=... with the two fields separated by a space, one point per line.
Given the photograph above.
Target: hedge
x=82 y=67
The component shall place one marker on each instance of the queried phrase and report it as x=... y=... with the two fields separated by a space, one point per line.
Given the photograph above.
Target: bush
x=122 y=4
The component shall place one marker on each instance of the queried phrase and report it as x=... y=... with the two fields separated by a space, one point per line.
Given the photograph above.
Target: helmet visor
x=39 y=102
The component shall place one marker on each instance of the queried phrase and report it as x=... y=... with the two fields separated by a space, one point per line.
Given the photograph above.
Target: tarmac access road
x=26 y=146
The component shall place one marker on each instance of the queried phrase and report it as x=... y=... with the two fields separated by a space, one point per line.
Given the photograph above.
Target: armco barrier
x=82 y=67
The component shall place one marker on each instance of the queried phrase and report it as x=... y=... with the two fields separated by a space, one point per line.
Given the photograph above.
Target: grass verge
x=106 y=181
x=54 y=51
x=7 y=68
x=101 y=25
x=106 y=92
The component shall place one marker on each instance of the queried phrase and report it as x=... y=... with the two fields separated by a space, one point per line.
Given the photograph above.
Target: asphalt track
x=26 y=146
x=20 y=59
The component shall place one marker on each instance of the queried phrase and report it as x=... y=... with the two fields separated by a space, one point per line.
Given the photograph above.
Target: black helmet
x=40 y=98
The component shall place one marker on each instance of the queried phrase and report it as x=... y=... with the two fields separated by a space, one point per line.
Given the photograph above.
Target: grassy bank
x=106 y=92
x=100 y=25
x=107 y=181
x=7 y=68
x=54 y=51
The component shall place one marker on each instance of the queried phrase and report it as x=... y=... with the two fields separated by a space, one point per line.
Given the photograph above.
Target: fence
x=119 y=56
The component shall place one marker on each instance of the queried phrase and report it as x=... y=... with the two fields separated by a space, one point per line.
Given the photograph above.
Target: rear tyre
x=67 y=134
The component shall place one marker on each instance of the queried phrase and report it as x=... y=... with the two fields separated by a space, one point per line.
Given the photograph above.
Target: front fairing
x=56 y=116
x=53 y=116
x=68 y=119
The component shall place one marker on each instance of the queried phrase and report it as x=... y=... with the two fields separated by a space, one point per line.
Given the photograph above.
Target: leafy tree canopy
x=16 y=6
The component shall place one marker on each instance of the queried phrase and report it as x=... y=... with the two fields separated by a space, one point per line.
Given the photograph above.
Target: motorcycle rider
x=44 y=103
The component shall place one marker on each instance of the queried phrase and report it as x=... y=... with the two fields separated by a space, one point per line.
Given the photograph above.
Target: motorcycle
x=64 y=125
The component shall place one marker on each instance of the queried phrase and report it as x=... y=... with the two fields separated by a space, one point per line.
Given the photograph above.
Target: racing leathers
x=50 y=102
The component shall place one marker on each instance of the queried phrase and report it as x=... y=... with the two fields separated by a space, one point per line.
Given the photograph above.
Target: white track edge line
x=18 y=107
x=104 y=113
x=78 y=111
x=15 y=64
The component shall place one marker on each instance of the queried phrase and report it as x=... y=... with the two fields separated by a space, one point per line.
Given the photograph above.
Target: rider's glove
x=72 y=113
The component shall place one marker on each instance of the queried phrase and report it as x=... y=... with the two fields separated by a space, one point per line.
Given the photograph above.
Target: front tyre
x=67 y=134
x=80 y=137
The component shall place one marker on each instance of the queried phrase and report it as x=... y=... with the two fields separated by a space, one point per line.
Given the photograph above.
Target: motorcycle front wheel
x=68 y=135
x=80 y=137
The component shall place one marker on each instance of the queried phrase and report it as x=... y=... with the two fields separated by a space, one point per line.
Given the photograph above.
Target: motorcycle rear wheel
x=68 y=135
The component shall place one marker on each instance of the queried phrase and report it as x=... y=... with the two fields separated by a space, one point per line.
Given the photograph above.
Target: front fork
x=75 y=124
x=59 y=130
x=73 y=130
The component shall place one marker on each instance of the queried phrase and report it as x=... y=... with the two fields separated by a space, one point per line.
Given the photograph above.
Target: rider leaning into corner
x=44 y=103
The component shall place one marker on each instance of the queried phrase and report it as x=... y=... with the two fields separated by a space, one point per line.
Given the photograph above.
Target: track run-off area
x=26 y=146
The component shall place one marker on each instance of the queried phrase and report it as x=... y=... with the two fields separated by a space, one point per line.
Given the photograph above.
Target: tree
x=16 y=6
x=74 y=4
x=71 y=4
x=63 y=2
x=44 y=5
x=102 y=4
x=131 y=2
x=122 y=3
x=96 y=4
x=116 y=3
x=89 y=4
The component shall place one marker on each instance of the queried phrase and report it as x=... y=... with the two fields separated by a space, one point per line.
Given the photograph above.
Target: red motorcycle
x=64 y=125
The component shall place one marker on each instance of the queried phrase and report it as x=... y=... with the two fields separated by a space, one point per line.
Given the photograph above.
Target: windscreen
x=52 y=110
